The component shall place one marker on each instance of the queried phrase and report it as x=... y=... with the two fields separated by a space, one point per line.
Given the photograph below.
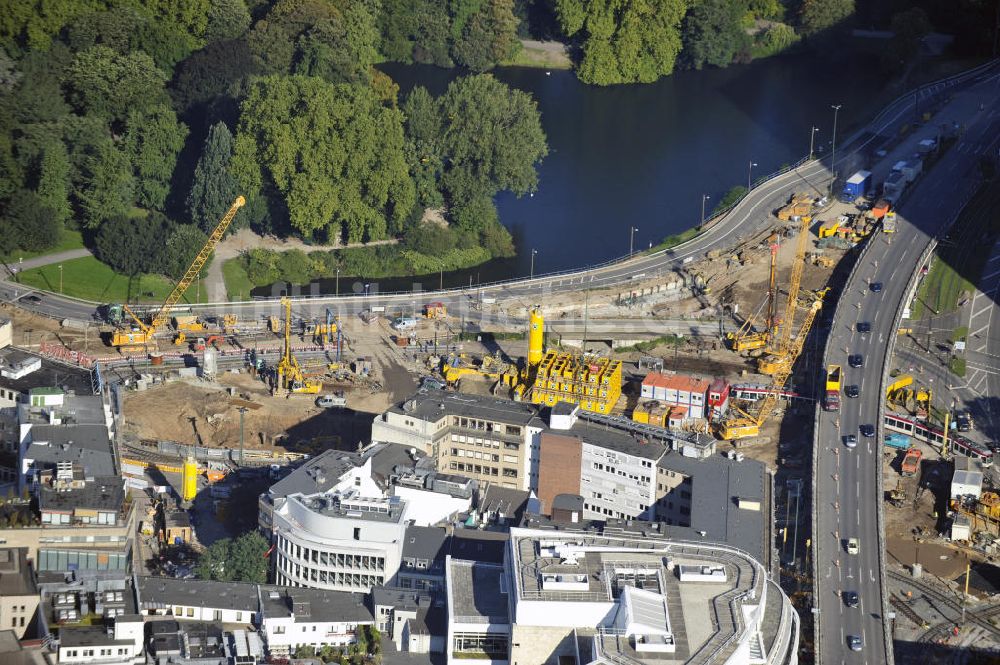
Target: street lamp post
x=631 y=237
x=833 y=157
x=338 y=282
x=60 y=279
x=749 y=172
x=533 y=252
x=441 y=276
x=704 y=197
x=812 y=136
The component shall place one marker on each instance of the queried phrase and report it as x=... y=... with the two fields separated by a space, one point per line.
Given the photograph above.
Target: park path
x=245 y=240
x=49 y=259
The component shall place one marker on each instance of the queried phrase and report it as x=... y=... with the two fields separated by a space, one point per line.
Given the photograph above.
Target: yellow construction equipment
x=229 y=322
x=536 y=336
x=747 y=338
x=290 y=375
x=144 y=334
x=778 y=349
x=593 y=382
x=189 y=480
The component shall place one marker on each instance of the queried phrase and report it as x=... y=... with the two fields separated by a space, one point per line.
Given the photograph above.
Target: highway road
x=847 y=487
x=749 y=217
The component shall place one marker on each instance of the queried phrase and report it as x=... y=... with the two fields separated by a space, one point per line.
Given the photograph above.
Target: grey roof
x=387 y=596
x=87 y=445
x=425 y=542
x=322 y=605
x=614 y=439
x=431 y=406
x=156 y=592
x=177 y=519
x=573 y=502
x=88 y=636
x=49 y=375
x=717 y=483
x=16 y=578
x=106 y=493
x=510 y=502
x=475 y=592
x=475 y=545
x=389 y=460
x=318 y=474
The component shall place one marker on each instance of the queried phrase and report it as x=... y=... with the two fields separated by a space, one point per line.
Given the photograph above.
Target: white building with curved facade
x=340 y=541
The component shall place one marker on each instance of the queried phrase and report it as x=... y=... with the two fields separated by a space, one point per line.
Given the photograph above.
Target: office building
x=18 y=591
x=294 y=617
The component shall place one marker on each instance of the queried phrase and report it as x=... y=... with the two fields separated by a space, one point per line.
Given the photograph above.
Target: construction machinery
x=831 y=398
x=900 y=396
x=289 y=373
x=778 y=350
x=142 y=333
x=748 y=338
x=911 y=462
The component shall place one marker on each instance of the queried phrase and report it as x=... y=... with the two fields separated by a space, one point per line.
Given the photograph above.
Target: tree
x=818 y=15
x=127 y=29
x=105 y=186
x=53 y=181
x=489 y=36
x=214 y=70
x=492 y=139
x=29 y=224
x=624 y=41
x=153 y=139
x=423 y=131
x=333 y=152
x=213 y=564
x=133 y=245
x=190 y=15
x=214 y=188
x=32 y=25
x=227 y=19
x=110 y=84
x=713 y=33
x=183 y=245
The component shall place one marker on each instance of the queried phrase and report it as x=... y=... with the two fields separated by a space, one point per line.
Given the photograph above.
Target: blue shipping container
x=897 y=441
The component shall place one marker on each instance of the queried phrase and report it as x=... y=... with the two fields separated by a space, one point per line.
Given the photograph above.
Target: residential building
x=341 y=541
x=613 y=470
x=503 y=506
x=579 y=597
x=14 y=652
x=434 y=497
x=198 y=600
x=422 y=564
x=122 y=644
x=197 y=643
x=66 y=498
x=688 y=392
x=478 y=437
x=415 y=621
x=67 y=598
x=18 y=591
x=295 y=617
x=727 y=497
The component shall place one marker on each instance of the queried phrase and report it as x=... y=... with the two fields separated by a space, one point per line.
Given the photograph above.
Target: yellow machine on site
x=290 y=376
x=748 y=338
x=141 y=334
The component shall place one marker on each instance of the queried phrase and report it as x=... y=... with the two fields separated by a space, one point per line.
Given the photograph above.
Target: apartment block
x=483 y=438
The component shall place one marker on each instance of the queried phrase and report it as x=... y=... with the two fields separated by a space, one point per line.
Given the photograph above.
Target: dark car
x=852 y=391
x=864 y=327
x=868 y=430
x=875 y=287
x=856 y=360
x=854 y=642
x=851 y=441
x=851 y=598
x=31 y=298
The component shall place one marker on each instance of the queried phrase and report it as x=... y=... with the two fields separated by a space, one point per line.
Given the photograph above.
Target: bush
x=774 y=40
x=133 y=245
x=731 y=197
x=294 y=266
x=261 y=266
x=496 y=240
x=29 y=224
x=183 y=245
x=430 y=239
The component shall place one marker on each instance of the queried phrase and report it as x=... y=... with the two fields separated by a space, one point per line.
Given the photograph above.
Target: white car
x=328 y=401
x=853 y=546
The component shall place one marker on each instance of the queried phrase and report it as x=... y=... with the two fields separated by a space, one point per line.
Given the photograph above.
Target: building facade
x=18 y=591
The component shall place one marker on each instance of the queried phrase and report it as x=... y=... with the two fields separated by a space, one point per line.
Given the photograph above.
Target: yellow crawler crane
x=290 y=375
x=747 y=338
x=778 y=355
x=128 y=337
x=743 y=424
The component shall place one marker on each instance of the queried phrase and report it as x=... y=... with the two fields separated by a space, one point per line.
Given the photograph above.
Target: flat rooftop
x=50 y=375
x=389 y=510
x=106 y=494
x=476 y=593
x=431 y=406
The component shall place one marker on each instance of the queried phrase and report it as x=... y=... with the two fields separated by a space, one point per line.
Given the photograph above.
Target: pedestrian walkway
x=49 y=259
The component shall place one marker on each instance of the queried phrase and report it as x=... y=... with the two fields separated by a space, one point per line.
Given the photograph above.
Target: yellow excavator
x=290 y=376
x=141 y=334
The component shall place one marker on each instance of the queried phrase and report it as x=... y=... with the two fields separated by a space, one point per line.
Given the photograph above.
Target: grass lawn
x=68 y=240
x=674 y=240
x=237 y=283
x=940 y=290
x=957 y=366
x=532 y=54
x=89 y=279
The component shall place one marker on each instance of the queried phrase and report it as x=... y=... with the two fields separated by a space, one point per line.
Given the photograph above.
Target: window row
x=296 y=575
x=330 y=559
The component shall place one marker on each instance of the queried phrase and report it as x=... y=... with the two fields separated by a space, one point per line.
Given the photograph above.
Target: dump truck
x=856 y=186
x=889 y=222
x=911 y=462
x=831 y=398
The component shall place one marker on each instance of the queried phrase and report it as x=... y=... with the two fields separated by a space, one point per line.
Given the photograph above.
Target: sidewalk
x=49 y=259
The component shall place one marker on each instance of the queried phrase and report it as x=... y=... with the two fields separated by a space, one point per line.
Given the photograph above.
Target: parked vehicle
x=328 y=401
x=831 y=399
x=856 y=186
x=898 y=441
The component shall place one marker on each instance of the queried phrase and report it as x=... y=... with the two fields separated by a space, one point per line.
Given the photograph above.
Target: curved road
x=847 y=482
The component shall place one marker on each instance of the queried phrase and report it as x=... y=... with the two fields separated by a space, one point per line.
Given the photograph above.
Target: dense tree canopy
x=713 y=33
x=624 y=41
x=214 y=188
x=240 y=560
x=333 y=152
x=818 y=15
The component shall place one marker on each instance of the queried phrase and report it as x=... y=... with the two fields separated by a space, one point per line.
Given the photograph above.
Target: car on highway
x=30 y=298
x=875 y=287
x=855 y=643
x=851 y=440
x=864 y=327
x=868 y=431
x=851 y=598
x=856 y=360
x=853 y=546
x=852 y=391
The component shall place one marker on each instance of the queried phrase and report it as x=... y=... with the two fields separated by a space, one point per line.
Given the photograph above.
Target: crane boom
x=794 y=282
x=199 y=262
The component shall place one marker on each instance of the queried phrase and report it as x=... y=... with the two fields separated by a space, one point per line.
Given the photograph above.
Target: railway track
x=978 y=616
